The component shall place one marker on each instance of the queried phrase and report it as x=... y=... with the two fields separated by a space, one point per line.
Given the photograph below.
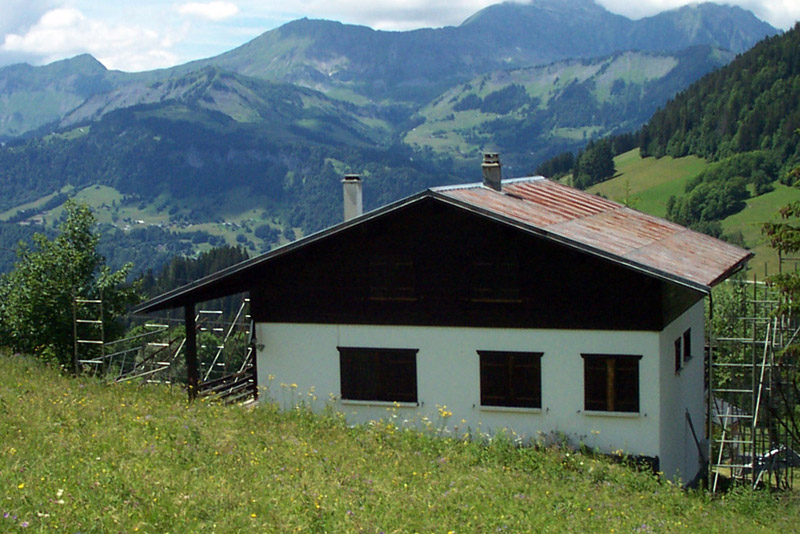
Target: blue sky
x=134 y=35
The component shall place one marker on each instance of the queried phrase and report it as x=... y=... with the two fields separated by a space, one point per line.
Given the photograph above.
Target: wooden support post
x=254 y=353
x=192 y=367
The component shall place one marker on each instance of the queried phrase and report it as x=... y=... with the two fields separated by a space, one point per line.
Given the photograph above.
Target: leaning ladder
x=87 y=330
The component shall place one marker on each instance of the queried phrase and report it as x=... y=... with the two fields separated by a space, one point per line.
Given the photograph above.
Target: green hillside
x=209 y=158
x=749 y=105
x=744 y=120
x=80 y=456
x=744 y=123
x=647 y=183
x=748 y=222
x=32 y=97
x=531 y=114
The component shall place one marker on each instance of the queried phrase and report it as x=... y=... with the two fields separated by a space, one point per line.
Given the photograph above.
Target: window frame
x=495 y=280
x=606 y=388
x=371 y=374
x=499 y=366
x=392 y=278
x=687 y=345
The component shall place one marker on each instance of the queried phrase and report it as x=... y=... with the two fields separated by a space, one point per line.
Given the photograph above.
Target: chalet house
x=518 y=304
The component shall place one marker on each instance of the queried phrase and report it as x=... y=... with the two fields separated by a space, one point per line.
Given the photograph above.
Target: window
x=683 y=349
x=687 y=345
x=392 y=278
x=371 y=374
x=611 y=382
x=511 y=379
x=495 y=280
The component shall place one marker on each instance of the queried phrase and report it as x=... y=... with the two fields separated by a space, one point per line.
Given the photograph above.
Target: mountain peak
x=533 y=8
x=84 y=63
x=563 y=4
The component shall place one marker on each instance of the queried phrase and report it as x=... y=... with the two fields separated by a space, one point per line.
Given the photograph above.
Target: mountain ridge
x=407 y=69
x=562 y=103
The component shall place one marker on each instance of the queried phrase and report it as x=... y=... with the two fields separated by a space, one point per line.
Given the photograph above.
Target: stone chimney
x=353 y=205
x=491 y=171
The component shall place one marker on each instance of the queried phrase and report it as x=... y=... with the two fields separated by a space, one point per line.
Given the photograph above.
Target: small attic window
x=392 y=278
x=495 y=280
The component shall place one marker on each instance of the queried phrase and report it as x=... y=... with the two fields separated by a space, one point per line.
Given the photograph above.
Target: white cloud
x=145 y=34
x=20 y=15
x=66 y=32
x=209 y=10
x=395 y=15
x=637 y=10
x=17 y=16
x=411 y=14
x=780 y=13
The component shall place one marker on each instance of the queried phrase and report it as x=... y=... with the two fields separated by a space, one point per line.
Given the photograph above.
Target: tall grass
x=80 y=456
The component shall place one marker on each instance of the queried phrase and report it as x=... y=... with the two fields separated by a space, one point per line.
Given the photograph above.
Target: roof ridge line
x=473 y=185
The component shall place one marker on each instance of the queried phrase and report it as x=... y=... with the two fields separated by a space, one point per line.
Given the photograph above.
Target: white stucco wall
x=680 y=392
x=296 y=359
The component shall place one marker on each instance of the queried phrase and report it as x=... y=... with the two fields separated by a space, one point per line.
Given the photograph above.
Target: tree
x=784 y=237
x=37 y=296
x=594 y=164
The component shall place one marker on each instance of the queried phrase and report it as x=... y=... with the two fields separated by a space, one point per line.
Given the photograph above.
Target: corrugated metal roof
x=606 y=228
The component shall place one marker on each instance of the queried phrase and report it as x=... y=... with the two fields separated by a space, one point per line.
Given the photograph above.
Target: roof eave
x=730 y=272
x=582 y=247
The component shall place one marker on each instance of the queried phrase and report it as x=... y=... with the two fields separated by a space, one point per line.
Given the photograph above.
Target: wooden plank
x=192 y=367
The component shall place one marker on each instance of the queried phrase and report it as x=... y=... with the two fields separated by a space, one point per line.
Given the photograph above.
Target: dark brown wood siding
x=330 y=281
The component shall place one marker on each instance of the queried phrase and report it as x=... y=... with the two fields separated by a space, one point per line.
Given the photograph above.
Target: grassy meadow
x=647 y=183
x=77 y=455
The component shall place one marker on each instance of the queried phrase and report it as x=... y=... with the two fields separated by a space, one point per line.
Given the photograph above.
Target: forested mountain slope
x=744 y=119
x=751 y=104
x=213 y=158
x=531 y=114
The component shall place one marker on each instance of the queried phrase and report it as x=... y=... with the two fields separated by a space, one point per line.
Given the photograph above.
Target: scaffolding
x=750 y=392
x=88 y=331
x=154 y=351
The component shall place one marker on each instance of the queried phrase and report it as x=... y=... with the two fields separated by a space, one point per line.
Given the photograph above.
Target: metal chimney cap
x=351 y=178
x=491 y=171
x=491 y=158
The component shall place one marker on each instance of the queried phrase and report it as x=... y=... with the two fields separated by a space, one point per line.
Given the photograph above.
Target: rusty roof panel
x=693 y=256
x=606 y=227
x=556 y=197
x=620 y=230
